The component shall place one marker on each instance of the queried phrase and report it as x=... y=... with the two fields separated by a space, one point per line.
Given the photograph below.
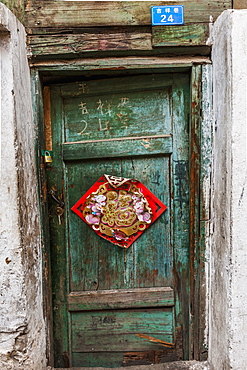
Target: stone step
x=178 y=365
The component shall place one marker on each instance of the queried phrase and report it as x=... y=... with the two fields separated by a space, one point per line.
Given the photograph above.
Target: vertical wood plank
x=181 y=193
x=38 y=116
x=195 y=133
x=59 y=265
x=200 y=189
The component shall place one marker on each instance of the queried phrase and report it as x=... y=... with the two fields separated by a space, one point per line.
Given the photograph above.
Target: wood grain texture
x=116 y=148
x=99 y=265
x=180 y=205
x=131 y=39
x=118 y=359
x=117 y=329
x=62 y=28
x=40 y=142
x=114 y=13
x=57 y=235
x=187 y=35
x=71 y=45
x=99 y=65
x=121 y=298
x=121 y=85
x=239 y=4
x=195 y=263
x=75 y=44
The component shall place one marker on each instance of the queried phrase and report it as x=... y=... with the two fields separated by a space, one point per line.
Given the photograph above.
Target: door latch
x=58 y=201
x=60 y=209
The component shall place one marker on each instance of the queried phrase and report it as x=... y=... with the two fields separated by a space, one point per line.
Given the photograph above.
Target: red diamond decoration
x=118 y=209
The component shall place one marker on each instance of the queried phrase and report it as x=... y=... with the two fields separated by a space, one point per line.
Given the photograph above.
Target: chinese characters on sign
x=167 y=15
x=119 y=209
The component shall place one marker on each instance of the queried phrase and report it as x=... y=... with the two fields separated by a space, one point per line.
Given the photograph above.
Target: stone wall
x=22 y=334
x=228 y=263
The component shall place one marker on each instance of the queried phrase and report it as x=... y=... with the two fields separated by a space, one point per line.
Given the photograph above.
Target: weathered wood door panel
x=120 y=269
x=105 y=296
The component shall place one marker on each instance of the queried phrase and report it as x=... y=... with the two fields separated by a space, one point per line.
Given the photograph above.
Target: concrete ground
x=180 y=365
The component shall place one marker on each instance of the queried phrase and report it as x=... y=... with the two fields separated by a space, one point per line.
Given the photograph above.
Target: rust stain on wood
x=150 y=357
x=179 y=343
x=47 y=118
x=155 y=340
x=140 y=358
x=44 y=190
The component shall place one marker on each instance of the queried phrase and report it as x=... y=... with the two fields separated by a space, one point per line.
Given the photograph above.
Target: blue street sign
x=166 y=15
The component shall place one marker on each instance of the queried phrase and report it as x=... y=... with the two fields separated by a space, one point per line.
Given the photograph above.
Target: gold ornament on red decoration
x=119 y=209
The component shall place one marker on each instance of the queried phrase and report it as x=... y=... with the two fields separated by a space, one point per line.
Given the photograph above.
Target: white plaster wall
x=228 y=297
x=22 y=331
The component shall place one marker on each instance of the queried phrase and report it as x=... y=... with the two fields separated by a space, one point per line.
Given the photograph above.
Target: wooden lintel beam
x=84 y=64
x=113 y=13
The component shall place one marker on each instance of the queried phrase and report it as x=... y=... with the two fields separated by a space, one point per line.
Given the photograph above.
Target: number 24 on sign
x=167 y=15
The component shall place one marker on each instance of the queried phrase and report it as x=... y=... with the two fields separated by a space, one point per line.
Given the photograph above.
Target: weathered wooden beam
x=85 y=42
x=86 y=64
x=187 y=35
x=114 y=13
x=118 y=40
x=122 y=298
x=71 y=28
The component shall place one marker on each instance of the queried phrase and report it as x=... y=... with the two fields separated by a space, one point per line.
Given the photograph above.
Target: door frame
x=200 y=173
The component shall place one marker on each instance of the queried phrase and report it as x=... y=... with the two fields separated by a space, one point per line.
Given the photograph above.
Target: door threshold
x=178 y=365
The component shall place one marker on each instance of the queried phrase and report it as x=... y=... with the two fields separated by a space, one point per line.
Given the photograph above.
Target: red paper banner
x=119 y=209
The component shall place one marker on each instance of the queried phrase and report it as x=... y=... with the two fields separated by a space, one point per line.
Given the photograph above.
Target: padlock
x=48 y=157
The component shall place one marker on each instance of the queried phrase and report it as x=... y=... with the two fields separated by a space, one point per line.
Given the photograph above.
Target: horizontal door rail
x=121 y=298
x=136 y=146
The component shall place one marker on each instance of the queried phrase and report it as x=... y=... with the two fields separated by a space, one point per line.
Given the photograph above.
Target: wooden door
x=105 y=298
